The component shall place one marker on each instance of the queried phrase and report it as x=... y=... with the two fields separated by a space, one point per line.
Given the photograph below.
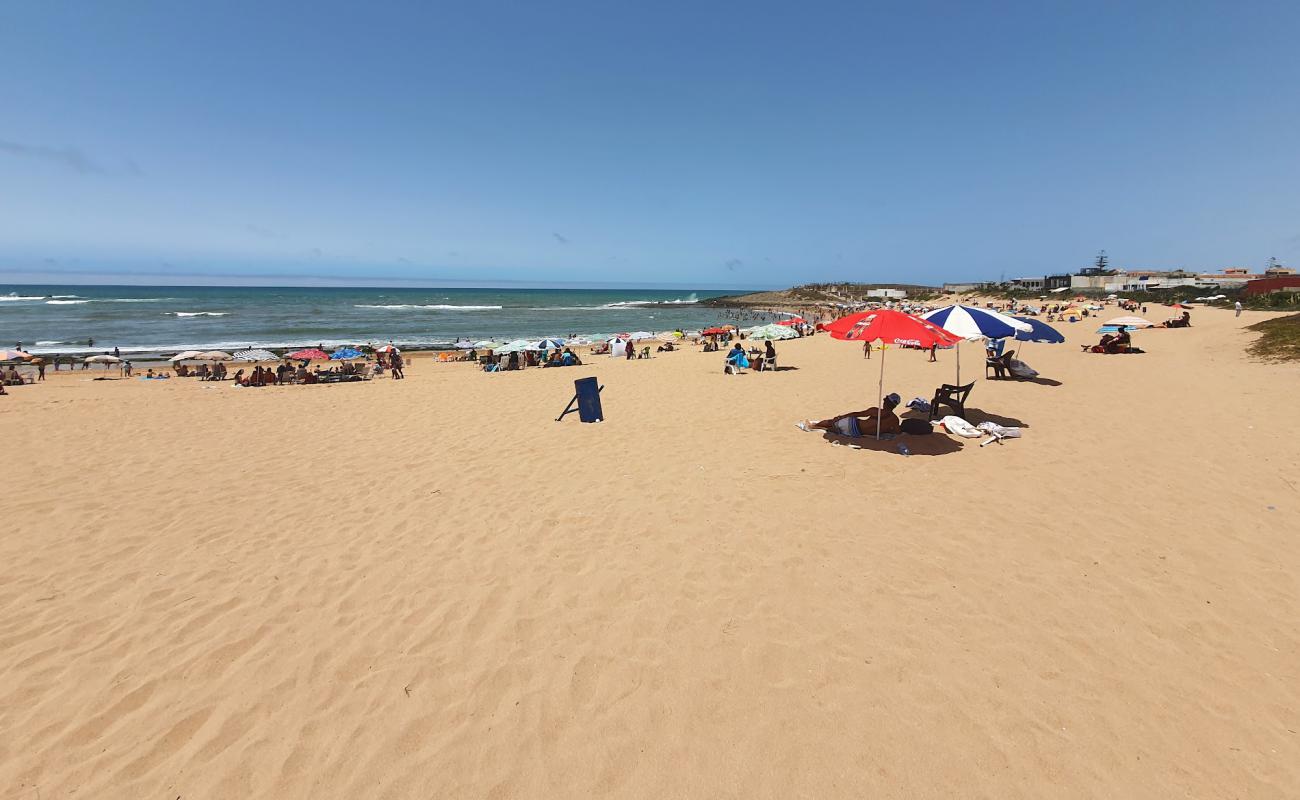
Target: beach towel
x=1000 y=431
x=1022 y=370
x=960 y=427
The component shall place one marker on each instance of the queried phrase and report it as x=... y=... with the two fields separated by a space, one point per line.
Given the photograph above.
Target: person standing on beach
x=629 y=350
x=395 y=365
x=1237 y=305
x=40 y=370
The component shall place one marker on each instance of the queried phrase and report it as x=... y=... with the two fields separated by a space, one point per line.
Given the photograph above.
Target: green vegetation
x=1279 y=340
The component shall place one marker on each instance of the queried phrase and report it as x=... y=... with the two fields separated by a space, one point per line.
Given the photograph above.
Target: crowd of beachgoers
x=760 y=327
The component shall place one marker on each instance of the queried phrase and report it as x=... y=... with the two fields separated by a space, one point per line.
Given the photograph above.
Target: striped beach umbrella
x=972 y=322
x=255 y=354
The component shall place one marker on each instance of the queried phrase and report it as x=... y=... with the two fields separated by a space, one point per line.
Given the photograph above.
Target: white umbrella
x=214 y=355
x=1131 y=322
x=103 y=359
x=185 y=356
x=517 y=346
x=255 y=355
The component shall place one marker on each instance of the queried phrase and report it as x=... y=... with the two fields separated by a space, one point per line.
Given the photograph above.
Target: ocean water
x=148 y=319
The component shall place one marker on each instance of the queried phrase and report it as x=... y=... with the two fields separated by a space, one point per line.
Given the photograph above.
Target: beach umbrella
x=186 y=355
x=1039 y=332
x=255 y=355
x=214 y=355
x=548 y=344
x=517 y=346
x=714 y=331
x=972 y=322
x=1129 y=322
x=345 y=353
x=777 y=332
x=15 y=355
x=890 y=327
x=309 y=354
x=488 y=344
x=1042 y=332
x=103 y=359
x=388 y=348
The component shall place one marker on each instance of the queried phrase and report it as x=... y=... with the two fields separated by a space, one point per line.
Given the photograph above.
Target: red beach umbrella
x=310 y=354
x=713 y=331
x=891 y=327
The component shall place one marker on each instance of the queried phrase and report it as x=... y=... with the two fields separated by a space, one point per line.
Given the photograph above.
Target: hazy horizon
x=685 y=145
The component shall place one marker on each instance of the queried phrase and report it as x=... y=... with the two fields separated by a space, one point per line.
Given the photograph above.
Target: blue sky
x=700 y=144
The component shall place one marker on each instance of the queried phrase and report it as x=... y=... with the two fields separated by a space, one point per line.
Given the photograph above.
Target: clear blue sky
x=731 y=144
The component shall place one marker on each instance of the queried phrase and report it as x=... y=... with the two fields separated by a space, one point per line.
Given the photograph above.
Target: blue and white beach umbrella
x=548 y=344
x=970 y=322
x=1040 y=332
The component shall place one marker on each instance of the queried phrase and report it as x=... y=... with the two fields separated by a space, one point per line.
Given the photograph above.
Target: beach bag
x=916 y=427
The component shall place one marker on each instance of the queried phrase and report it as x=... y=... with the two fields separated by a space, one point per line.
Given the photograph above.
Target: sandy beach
x=430 y=588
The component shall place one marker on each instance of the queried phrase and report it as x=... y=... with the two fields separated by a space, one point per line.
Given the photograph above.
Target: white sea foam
x=198 y=313
x=65 y=302
x=16 y=297
x=436 y=307
x=63 y=296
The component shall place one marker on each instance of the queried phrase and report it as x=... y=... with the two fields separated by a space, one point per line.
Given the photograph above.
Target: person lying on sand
x=859 y=423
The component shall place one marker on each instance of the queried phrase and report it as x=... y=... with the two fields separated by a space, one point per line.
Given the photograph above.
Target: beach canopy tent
x=185 y=355
x=214 y=355
x=1039 y=332
x=255 y=354
x=889 y=327
x=1129 y=322
x=103 y=359
x=972 y=322
x=777 y=332
x=15 y=355
x=309 y=354
x=345 y=353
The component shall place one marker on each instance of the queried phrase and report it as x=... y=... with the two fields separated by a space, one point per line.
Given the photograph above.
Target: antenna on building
x=1102 y=261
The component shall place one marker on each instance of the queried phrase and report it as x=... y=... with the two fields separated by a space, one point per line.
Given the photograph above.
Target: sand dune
x=429 y=588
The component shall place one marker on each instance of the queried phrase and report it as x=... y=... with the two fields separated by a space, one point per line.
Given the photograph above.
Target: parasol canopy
x=103 y=359
x=309 y=354
x=971 y=322
x=345 y=353
x=1129 y=322
x=255 y=354
x=185 y=355
x=891 y=327
x=15 y=355
x=1039 y=332
x=776 y=331
x=214 y=355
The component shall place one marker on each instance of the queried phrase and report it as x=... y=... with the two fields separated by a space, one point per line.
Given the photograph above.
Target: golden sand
x=429 y=588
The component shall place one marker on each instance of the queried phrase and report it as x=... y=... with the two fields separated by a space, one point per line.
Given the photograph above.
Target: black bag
x=916 y=427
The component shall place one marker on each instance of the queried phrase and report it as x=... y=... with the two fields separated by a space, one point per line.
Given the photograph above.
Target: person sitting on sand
x=1001 y=364
x=859 y=423
x=1185 y=321
x=570 y=359
x=12 y=377
x=1121 y=342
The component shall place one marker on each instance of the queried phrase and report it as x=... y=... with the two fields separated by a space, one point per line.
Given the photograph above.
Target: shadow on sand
x=936 y=444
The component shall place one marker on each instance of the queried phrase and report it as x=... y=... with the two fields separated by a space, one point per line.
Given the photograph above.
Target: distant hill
x=813 y=294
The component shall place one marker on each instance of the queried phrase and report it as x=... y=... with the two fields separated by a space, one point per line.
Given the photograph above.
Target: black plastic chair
x=952 y=396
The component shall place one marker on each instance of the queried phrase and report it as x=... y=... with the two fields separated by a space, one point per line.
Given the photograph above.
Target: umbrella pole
x=880 y=392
